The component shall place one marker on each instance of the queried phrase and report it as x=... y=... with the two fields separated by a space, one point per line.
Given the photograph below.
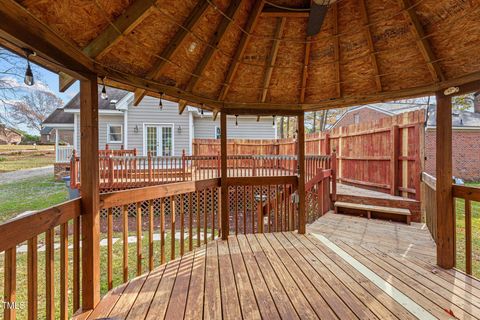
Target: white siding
x=248 y=128
x=148 y=112
x=103 y=121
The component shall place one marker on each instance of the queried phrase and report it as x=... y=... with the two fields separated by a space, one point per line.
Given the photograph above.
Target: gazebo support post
x=90 y=193
x=224 y=186
x=301 y=173
x=445 y=212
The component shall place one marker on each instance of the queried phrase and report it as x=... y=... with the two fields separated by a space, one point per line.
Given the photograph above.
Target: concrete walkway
x=25 y=174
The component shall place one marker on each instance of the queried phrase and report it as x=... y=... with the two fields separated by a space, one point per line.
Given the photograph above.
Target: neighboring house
x=48 y=135
x=147 y=127
x=9 y=135
x=372 y=112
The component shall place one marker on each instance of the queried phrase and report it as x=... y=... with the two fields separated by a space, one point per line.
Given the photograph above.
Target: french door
x=159 y=140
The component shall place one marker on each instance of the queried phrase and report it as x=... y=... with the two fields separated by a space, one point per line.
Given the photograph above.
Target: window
x=114 y=133
x=217 y=132
x=158 y=140
x=356 y=118
x=167 y=141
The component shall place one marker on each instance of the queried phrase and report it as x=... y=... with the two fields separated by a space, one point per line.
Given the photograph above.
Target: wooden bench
x=369 y=209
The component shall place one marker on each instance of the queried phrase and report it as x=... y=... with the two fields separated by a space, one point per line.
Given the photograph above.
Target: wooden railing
x=63 y=154
x=466 y=200
x=470 y=196
x=123 y=172
x=52 y=228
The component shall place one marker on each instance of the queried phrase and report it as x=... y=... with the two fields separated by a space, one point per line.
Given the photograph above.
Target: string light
x=28 y=80
x=236 y=120
x=201 y=112
x=160 y=103
x=273 y=121
x=104 y=90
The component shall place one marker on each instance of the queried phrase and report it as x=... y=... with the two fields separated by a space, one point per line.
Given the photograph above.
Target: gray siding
x=148 y=112
x=248 y=128
x=103 y=121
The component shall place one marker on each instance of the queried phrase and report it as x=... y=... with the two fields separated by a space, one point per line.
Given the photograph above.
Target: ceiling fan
x=318 y=11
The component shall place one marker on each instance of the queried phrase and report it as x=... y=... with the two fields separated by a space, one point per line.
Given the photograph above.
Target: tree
x=463 y=102
x=10 y=71
x=33 y=108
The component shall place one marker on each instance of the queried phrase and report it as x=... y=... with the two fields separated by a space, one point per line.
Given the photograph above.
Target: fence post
x=395 y=145
x=327 y=144
x=334 y=174
x=73 y=170
x=219 y=164
x=110 y=171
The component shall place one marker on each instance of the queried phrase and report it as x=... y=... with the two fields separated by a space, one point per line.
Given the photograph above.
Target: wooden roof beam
x=174 y=44
x=65 y=81
x=231 y=13
x=272 y=57
x=125 y=23
x=422 y=42
x=306 y=62
x=368 y=33
x=182 y=104
x=242 y=45
x=271 y=11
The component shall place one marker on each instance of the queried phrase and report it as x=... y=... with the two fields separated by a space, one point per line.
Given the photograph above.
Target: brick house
x=465 y=142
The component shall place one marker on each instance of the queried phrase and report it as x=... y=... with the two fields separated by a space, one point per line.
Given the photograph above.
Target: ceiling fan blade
x=315 y=20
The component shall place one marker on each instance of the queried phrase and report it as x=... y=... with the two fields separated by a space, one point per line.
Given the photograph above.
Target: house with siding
x=150 y=127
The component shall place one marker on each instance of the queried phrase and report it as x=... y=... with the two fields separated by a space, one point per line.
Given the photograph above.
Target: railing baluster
x=244 y=204
x=252 y=207
x=162 y=231
x=10 y=283
x=182 y=225
x=32 y=278
x=213 y=212
x=125 y=243
x=49 y=276
x=150 y=235
x=260 y=211
x=76 y=263
x=172 y=227
x=64 y=271
x=268 y=208
x=205 y=220
x=139 y=238
x=198 y=218
x=190 y=222
x=236 y=210
x=109 y=248
x=468 y=236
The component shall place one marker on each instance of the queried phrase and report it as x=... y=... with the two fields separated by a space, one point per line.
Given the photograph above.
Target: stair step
x=371 y=208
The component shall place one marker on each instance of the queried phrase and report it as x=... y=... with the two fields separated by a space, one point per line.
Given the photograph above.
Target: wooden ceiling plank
x=368 y=33
x=306 y=62
x=336 y=50
x=272 y=57
x=274 y=12
x=422 y=41
x=125 y=23
x=231 y=13
x=175 y=43
x=242 y=45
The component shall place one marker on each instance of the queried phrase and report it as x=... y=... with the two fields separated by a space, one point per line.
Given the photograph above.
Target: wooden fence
x=384 y=155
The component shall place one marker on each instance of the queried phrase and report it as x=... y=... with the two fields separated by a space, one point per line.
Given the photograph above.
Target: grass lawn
x=19 y=160
x=5 y=147
x=30 y=194
x=460 y=211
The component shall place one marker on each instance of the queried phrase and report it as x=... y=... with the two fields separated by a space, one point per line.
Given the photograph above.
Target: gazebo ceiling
x=256 y=55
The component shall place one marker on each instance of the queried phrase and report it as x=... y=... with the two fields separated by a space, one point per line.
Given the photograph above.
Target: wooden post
x=301 y=173
x=395 y=148
x=90 y=193
x=334 y=175
x=445 y=213
x=327 y=144
x=224 y=187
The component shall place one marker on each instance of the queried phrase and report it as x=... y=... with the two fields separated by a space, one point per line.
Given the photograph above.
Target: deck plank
x=194 y=308
x=125 y=302
x=178 y=298
x=230 y=299
x=212 y=308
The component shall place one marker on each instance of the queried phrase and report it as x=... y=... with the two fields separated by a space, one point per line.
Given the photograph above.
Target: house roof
x=59 y=116
x=465 y=119
x=114 y=94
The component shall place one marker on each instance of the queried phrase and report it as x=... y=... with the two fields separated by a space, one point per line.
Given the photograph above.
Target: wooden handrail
x=466 y=192
x=119 y=198
x=18 y=230
x=258 y=181
x=429 y=180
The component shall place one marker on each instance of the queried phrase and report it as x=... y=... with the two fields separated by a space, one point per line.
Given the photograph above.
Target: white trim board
x=386 y=287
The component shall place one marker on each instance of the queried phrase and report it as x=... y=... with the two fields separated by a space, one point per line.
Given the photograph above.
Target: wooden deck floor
x=325 y=274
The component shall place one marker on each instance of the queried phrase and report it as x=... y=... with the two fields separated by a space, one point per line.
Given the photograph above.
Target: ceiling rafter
x=242 y=45
x=422 y=41
x=306 y=62
x=231 y=13
x=272 y=57
x=177 y=40
x=182 y=104
x=336 y=49
x=368 y=33
x=124 y=24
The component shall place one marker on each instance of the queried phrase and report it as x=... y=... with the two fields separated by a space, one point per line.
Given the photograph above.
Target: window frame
x=109 y=141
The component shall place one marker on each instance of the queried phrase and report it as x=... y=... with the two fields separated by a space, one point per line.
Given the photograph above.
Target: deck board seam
x=235 y=279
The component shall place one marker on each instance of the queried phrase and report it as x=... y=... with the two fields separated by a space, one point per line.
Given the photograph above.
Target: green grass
x=30 y=194
x=460 y=241
x=5 y=147
x=26 y=160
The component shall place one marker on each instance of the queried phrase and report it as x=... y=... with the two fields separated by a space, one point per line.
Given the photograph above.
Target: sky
x=44 y=80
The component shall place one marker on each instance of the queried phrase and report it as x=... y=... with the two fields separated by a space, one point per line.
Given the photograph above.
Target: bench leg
x=369 y=214
x=408 y=220
x=336 y=209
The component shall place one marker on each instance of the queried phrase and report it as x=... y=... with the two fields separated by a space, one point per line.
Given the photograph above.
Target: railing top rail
x=466 y=192
x=429 y=180
x=124 y=197
x=20 y=229
x=262 y=181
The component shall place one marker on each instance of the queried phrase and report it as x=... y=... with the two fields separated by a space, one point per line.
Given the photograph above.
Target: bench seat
x=369 y=209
